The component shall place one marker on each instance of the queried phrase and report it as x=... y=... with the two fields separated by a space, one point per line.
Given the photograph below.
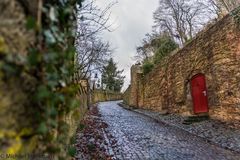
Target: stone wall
x=100 y=96
x=15 y=122
x=215 y=52
x=135 y=73
x=126 y=95
x=13 y=30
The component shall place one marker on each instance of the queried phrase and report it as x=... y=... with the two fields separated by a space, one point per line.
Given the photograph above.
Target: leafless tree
x=92 y=56
x=93 y=18
x=92 y=51
x=145 y=51
x=181 y=18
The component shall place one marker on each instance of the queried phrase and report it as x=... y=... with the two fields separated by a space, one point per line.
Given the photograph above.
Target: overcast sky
x=132 y=20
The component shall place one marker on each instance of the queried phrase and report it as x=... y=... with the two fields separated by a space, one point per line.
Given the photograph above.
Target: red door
x=199 y=94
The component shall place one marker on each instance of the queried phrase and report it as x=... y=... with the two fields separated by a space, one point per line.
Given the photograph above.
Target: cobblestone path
x=141 y=138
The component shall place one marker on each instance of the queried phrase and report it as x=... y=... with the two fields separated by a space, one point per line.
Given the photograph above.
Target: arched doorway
x=199 y=94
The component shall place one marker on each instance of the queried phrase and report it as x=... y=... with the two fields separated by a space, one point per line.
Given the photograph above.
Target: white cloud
x=133 y=19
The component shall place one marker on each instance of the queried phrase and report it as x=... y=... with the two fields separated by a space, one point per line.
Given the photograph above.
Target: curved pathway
x=141 y=138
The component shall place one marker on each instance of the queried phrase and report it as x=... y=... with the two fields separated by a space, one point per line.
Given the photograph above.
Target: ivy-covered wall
x=40 y=106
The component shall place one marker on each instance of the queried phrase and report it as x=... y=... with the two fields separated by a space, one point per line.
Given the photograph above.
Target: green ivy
x=51 y=64
x=147 y=67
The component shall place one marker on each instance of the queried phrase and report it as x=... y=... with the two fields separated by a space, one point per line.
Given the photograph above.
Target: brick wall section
x=215 y=53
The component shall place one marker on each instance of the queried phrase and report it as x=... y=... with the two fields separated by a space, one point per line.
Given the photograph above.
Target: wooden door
x=199 y=94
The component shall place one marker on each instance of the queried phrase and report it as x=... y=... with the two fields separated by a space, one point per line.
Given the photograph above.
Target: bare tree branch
x=92 y=52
